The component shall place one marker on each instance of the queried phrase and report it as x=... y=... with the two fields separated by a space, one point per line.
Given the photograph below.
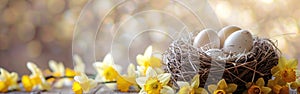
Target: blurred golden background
x=41 y=30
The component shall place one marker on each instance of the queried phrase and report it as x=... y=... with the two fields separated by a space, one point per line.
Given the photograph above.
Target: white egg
x=207 y=38
x=239 y=42
x=225 y=32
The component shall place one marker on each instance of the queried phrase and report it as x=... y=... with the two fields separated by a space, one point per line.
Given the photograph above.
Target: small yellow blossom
x=107 y=70
x=285 y=69
x=8 y=81
x=79 y=66
x=58 y=70
x=27 y=83
x=155 y=83
x=148 y=60
x=296 y=86
x=278 y=85
x=83 y=83
x=222 y=88
x=258 y=87
x=37 y=78
x=186 y=88
x=124 y=82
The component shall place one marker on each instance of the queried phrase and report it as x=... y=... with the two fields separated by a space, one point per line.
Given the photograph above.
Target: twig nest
x=238 y=42
x=183 y=60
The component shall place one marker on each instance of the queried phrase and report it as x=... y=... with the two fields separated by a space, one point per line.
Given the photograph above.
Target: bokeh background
x=42 y=30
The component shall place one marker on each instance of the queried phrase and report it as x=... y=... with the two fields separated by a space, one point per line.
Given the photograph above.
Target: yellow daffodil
x=27 y=83
x=107 y=70
x=148 y=60
x=79 y=66
x=278 y=85
x=258 y=87
x=58 y=70
x=193 y=88
x=124 y=82
x=222 y=88
x=37 y=78
x=285 y=69
x=155 y=83
x=83 y=84
x=8 y=81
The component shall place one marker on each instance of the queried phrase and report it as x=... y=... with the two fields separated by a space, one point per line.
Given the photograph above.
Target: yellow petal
x=292 y=63
x=276 y=89
x=274 y=70
x=266 y=90
x=185 y=90
x=164 y=78
x=212 y=88
x=200 y=91
x=231 y=88
x=155 y=62
x=77 y=88
x=3 y=87
x=284 y=90
x=222 y=84
x=260 y=82
x=294 y=85
x=282 y=62
x=195 y=81
x=27 y=84
x=123 y=84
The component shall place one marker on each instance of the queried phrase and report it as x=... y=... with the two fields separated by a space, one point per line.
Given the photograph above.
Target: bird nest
x=183 y=61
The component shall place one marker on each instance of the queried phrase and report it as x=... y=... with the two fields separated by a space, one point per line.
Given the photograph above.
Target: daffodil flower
x=258 y=87
x=278 y=85
x=124 y=82
x=148 y=60
x=107 y=70
x=37 y=78
x=296 y=86
x=58 y=70
x=8 y=81
x=285 y=69
x=83 y=84
x=155 y=83
x=222 y=88
x=193 y=88
x=79 y=66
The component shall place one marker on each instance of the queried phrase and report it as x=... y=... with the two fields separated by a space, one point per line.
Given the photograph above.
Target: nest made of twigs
x=183 y=61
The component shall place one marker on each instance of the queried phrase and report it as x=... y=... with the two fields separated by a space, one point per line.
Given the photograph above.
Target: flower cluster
x=147 y=77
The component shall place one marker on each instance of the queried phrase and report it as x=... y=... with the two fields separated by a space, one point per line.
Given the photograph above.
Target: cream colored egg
x=239 y=42
x=225 y=32
x=207 y=38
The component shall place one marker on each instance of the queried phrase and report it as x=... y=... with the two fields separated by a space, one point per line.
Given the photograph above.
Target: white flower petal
x=164 y=78
x=131 y=70
x=53 y=65
x=167 y=90
x=148 y=52
x=182 y=83
x=79 y=65
x=142 y=91
x=150 y=72
x=108 y=59
x=141 y=81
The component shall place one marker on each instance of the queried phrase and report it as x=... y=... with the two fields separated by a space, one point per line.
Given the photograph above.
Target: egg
x=239 y=42
x=207 y=38
x=225 y=32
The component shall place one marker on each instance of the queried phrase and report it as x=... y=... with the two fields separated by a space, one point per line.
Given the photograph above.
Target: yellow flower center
x=27 y=83
x=77 y=88
x=110 y=73
x=288 y=75
x=153 y=86
x=254 y=90
x=36 y=80
x=219 y=92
